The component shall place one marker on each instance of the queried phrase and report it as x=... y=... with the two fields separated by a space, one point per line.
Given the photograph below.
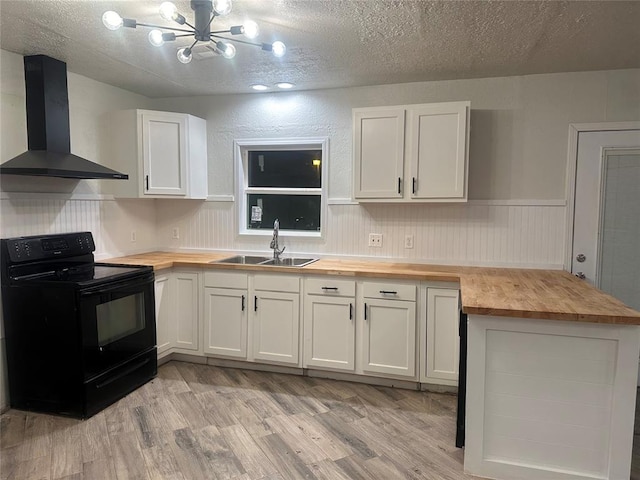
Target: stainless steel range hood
x=49 y=153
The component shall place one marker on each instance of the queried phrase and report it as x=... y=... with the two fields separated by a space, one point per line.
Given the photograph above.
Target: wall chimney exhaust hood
x=49 y=153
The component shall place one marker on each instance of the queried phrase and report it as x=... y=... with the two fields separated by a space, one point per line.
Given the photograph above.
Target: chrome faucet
x=274 y=241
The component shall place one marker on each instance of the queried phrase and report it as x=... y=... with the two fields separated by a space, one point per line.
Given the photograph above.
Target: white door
x=438 y=150
x=185 y=291
x=389 y=337
x=165 y=314
x=276 y=327
x=443 y=342
x=378 y=136
x=606 y=223
x=164 y=153
x=225 y=322
x=329 y=332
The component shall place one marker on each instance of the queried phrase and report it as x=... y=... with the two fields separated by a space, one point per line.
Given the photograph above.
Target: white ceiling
x=332 y=43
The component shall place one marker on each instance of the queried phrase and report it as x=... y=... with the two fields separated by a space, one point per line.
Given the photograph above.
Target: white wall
x=517 y=179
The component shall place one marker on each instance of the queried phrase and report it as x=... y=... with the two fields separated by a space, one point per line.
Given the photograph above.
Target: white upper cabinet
x=164 y=153
x=424 y=159
x=379 y=152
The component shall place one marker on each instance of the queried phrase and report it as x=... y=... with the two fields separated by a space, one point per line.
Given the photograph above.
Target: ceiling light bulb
x=285 y=85
x=259 y=87
x=250 y=29
x=222 y=7
x=184 y=55
x=155 y=38
x=167 y=10
x=111 y=20
x=228 y=50
x=278 y=48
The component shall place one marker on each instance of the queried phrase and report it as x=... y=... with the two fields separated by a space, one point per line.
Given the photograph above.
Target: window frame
x=242 y=146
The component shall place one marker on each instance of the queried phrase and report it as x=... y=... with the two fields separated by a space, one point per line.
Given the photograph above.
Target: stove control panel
x=40 y=247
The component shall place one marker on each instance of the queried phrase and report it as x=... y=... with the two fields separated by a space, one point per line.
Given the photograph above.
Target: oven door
x=118 y=323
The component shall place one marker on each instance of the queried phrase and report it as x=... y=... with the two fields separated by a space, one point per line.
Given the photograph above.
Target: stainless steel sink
x=290 y=262
x=269 y=261
x=244 y=260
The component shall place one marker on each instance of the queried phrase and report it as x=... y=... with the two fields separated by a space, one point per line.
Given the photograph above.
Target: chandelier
x=205 y=11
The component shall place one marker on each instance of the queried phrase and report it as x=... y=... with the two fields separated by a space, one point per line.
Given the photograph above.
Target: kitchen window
x=283 y=179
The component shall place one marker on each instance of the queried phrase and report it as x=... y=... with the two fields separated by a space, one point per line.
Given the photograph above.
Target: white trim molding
x=221 y=198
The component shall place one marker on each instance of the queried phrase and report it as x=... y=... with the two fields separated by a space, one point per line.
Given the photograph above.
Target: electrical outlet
x=408 y=241
x=176 y=232
x=375 y=240
x=133 y=236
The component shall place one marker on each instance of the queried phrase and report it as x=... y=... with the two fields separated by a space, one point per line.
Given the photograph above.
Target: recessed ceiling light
x=259 y=87
x=285 y=85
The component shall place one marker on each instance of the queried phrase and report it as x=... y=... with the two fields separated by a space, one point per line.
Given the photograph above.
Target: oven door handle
x=114 y=287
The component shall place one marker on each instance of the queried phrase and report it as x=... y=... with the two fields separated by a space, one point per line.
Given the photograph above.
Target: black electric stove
x=79 y=334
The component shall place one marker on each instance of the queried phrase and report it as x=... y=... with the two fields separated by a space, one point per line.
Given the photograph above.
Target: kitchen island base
x=550 y=399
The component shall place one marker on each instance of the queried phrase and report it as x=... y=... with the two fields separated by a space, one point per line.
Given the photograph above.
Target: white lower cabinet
x=225 y=328
x=252 y=317
x=443 y=342
x=185 y=298
x=225 y=314
x=275 y=323
x=177 y=311
x=164 y=315
x=389 y=329
x=329 y=324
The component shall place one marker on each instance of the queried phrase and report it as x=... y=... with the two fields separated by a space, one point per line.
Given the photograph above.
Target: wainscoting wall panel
x=112 y=222
x=482 y=233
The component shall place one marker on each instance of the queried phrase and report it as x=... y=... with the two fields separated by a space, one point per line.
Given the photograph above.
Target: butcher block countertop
x=506 y=292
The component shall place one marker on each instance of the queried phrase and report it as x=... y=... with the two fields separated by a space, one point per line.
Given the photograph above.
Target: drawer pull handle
x=243 y=303
x=388 y=292
x=351 y=311
x=255 y=303
x=399 y=183
x=414 y=185
x=330 y=288
x=365 y=311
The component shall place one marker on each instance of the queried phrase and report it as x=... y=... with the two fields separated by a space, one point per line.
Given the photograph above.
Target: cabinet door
x=276 y=326
x=389 y=331
x=164 y=313
x=378 y=153
x=437 y=150
x=187 y=311
x=225 y=322
x=443 y=343
x=329 y=332
x=164 y=153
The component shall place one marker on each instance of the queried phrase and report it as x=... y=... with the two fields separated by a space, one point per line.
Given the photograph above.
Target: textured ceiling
x=333 y=43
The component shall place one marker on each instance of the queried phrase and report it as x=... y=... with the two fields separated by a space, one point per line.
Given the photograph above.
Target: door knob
x=581 y=257
x=580 y=275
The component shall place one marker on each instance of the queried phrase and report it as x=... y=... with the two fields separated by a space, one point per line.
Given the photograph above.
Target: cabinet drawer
x=330 y=287
x=277 y=283
x=225 y=279
x=389 y=291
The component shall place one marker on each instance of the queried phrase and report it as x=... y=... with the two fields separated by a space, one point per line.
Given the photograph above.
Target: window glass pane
x=285 y=168
x=295 y=212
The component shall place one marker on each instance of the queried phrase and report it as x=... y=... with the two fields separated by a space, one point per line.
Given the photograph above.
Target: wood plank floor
x=203 y=422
